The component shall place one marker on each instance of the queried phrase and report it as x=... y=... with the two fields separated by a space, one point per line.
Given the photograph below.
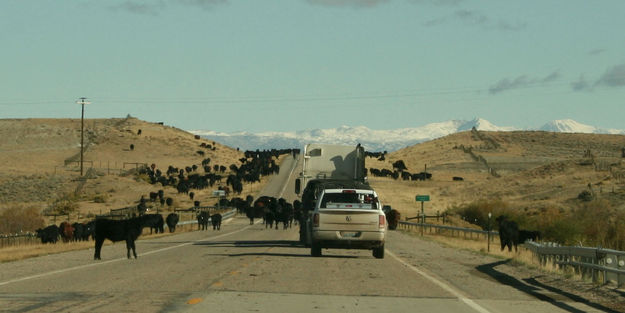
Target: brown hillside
x=40 y=161
x=527 y=169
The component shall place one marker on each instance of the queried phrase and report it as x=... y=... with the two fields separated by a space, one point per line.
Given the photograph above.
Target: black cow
x=128 y=230
x=508 y=233
x=172 y=221
x=525 y=235
x=88 y=230
x=392 y=218
x=202 y=220
x=216 y=221
x=249 y=212
x=269 y=218
x=421 y=176
x=154 y=221
x=457 y=178
x=283 y=212
x=78 y=231
x=49 y=234
x=297 y=211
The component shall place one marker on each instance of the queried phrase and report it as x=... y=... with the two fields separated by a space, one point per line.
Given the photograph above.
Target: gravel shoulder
x=471 y=266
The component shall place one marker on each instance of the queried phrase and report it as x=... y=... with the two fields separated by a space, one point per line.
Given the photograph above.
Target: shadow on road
x=252 y=244
x=263 y=244
x=536 y=289
x=285 y=255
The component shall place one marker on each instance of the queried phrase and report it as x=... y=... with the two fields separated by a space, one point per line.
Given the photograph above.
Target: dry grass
x=35 y=171
x=21 y=252
x=536 y=169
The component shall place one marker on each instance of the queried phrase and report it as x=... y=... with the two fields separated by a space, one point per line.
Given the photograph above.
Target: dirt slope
x=40 y=161
x=529 y=169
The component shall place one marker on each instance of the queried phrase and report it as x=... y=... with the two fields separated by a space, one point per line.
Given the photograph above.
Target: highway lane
x=250 y=268
x=245 y=267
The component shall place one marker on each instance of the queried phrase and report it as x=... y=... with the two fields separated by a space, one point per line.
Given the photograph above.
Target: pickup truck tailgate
x=349 y=220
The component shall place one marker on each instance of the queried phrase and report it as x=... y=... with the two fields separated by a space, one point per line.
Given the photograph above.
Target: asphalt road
x=245 y=268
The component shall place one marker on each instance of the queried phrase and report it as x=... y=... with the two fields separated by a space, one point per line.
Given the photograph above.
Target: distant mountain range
x=378 y=140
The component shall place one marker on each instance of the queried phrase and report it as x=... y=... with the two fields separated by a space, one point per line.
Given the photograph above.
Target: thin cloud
x=613 y=77
x=347 y=3
x=581 y=84
x=504 y=25
x=138 y=7
x=596 y=51
x=474 y=18
x=203 y=4
x=437 y=2
x=144 y=7
x=471 y=17
x=436 y=21
x=521 y=81
x=551 y=77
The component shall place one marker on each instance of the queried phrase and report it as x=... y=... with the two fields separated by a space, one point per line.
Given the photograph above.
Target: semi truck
x=339 y=208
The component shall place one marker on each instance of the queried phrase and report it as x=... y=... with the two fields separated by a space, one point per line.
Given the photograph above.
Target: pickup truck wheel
x=315 y=250
x=378 y=252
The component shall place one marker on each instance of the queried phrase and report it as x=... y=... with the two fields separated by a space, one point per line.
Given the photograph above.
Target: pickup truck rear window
x=349 y=200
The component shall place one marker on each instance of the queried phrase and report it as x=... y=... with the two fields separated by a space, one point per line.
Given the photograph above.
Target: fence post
x=620 y=261
x=611 y=261
x=595 y=277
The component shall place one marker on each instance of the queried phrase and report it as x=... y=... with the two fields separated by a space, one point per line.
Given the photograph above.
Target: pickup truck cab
x=348 y=219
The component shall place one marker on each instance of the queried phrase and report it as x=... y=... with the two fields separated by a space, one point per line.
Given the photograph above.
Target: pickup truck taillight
x=316 y=220
x=382 y=221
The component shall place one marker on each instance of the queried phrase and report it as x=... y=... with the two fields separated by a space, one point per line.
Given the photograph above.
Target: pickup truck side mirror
x=298 y=185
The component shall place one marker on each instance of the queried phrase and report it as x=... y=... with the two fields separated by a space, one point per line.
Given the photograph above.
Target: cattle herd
x=66 y=232
x=274 y=212
x=399 y=171
x=253 y=166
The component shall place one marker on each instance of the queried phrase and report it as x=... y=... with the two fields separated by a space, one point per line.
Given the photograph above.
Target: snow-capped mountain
x=376 y=140
x=571 y=126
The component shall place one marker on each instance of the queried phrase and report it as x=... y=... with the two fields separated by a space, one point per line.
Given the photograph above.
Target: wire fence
x=14 y=240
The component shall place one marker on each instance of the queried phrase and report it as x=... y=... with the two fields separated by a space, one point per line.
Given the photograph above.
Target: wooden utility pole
x=82 y=101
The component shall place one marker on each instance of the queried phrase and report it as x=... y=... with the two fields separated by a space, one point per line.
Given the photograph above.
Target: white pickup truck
x=340 y=210
x=348 y=219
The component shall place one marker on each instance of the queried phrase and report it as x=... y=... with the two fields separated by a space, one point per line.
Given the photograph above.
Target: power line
x=305 y=98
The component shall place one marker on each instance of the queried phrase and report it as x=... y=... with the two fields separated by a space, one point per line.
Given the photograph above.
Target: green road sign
x=423 y=198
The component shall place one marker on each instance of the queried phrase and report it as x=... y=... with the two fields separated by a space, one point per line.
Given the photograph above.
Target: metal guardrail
x=451 y=230
x=602 y=265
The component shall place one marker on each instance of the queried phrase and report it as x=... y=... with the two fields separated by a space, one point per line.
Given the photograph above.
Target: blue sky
x=284 y=65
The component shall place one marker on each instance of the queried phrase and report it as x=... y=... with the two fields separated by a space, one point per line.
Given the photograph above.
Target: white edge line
x=441 y=284
x=117 y=260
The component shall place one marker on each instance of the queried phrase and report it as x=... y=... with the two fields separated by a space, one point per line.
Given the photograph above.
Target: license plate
x=350 y=234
